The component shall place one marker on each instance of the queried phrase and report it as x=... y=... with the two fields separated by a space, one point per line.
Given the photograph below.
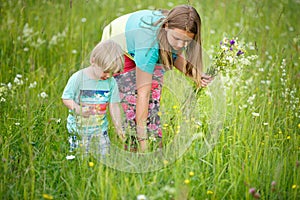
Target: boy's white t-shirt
x=92 y=95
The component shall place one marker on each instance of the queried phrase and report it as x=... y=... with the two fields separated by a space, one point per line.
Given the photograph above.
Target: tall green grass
x=257 y=147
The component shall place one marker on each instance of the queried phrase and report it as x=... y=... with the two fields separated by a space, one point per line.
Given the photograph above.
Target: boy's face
x=105 y=75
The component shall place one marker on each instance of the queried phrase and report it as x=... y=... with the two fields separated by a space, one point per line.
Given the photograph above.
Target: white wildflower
x=43 y=95
x=141 y=197
x=2 y=99
x=255 y=114
x=18 y=81
x=9 y=85
x=251 y=99
x=170 y=4
x=32 y=85
x=83 y=20
x=230 y=59
x=71 y=157
x=245 y=61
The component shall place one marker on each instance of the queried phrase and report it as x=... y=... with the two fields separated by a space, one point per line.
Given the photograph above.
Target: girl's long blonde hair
x=186 y=18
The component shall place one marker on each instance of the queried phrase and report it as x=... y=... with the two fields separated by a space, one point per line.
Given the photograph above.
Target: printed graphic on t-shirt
x=94 y=104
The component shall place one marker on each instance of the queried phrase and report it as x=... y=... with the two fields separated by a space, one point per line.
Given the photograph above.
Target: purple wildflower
x=239 y=53
x=232 y=42
x=221 y=43
x=230 y=48
x=252 y=191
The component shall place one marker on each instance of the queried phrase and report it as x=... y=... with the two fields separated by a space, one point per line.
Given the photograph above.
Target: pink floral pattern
x=128 y=93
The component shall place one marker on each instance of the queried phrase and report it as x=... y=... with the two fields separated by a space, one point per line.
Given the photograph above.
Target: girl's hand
x=205 y=80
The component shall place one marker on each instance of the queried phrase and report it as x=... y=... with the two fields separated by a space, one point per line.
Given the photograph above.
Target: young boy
x=88 y=93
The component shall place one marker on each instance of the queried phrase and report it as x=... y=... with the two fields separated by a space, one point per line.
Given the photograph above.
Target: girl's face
x=178 y=38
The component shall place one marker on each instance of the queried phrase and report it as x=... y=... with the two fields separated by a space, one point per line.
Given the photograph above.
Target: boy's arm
x=72 y=105
x=115 y=112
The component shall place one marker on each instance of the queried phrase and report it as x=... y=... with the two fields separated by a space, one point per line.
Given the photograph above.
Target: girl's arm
x=180 y=62
x=143 y=83
x=115 y=112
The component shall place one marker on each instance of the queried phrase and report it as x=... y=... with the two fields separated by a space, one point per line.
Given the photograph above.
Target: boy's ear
x=92 y=61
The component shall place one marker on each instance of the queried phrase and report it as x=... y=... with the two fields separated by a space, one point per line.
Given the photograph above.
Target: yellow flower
x=288 y=137
x=299 y=125
x=166 y=162
x=91 y=164
x=186 y=181
x=209 y=192
x=159 y=113
x=47 y=196
x=191 y=173
x=175 y=107
x=294 y=186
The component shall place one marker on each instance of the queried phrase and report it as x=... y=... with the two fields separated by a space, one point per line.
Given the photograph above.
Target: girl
x=155 y=41
x=88 y=93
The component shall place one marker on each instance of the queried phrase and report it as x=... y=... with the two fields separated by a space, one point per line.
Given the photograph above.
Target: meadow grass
x=258 y=145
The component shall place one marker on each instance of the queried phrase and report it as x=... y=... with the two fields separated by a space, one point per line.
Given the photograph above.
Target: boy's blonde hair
x=109 y=56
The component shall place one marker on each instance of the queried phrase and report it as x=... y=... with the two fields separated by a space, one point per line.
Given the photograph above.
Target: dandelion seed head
x=83 y=20
x=43 y=95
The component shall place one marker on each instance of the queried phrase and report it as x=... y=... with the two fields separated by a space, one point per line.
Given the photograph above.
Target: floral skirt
x=128 y=94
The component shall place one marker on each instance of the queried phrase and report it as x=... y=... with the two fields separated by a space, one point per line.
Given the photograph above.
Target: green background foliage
x=46 y=41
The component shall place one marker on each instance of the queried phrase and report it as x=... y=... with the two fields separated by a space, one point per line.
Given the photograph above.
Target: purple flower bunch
x=228 y=53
